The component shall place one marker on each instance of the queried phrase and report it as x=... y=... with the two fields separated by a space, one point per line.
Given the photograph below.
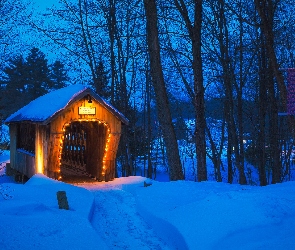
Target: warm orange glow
x=106 y=147
x=60 y=148
x=39 y=153
x=40 y=159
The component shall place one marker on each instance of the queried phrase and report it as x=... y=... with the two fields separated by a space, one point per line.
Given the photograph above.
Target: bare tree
x=163 y=109
x=266 y=10
x=194 y=28
x=13 y=19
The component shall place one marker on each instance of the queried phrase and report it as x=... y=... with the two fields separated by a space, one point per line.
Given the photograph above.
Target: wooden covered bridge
x=70 y=131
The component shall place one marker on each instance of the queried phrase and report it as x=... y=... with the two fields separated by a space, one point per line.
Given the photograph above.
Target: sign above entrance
x=87 y=111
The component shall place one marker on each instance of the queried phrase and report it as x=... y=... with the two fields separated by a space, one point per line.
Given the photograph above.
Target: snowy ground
x=123 y=214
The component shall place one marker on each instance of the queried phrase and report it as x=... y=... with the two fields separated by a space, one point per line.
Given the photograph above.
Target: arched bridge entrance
x=83 y=149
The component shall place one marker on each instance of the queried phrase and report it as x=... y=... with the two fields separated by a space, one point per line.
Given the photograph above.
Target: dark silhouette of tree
x=270 y=71
x=193 y=25
x=14 y=82
x=163 y=109
x=58 y=75
x=16 y=75
x=26 y=79
x=38 y=74
x=100 y=82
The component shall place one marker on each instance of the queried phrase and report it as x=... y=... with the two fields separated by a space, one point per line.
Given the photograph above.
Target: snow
x=47 y=105
x=123 y=214
x=30 y=218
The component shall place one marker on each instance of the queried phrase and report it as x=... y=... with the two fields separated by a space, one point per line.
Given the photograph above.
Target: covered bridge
x=70 y=130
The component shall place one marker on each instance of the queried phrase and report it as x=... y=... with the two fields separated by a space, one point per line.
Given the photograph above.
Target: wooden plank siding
x=41 y=148
x=13 y=144
x=25 y=164
x=103 y=132
x=20 y=160
x=70 y=114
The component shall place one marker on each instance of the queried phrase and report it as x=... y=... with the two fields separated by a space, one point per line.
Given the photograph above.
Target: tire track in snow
x=116 y=220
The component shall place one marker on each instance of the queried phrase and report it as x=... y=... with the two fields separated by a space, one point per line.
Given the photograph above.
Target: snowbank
x=181 y=215
x=212 y=215
x=30 y=217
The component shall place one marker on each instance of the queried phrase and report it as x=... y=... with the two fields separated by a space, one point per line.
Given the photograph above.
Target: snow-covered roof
x=45 y=107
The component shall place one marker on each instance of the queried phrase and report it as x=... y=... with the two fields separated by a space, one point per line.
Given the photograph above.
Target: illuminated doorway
x=84 y=144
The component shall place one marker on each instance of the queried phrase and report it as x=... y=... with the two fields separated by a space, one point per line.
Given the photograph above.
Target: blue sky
x=45 y=4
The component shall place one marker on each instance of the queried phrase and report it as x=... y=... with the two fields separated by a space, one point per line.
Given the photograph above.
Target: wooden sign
x=62 y=200
x=87 y=111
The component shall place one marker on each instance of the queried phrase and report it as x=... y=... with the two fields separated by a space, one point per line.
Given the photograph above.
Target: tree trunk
x=216 y=156
x=261 y=138
x=194 y=29
x=149 y=135
x=229 y=79
x=111 y=22
x=163 y=109
x=87 y=38
x=275 y=150
x=239 y=89
x=199 y=93
x=266 y=12
x=229 y=151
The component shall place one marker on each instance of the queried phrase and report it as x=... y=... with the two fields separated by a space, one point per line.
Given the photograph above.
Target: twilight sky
x=45 y=4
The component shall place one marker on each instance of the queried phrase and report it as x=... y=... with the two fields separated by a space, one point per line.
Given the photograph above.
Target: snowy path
x=116 y=220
